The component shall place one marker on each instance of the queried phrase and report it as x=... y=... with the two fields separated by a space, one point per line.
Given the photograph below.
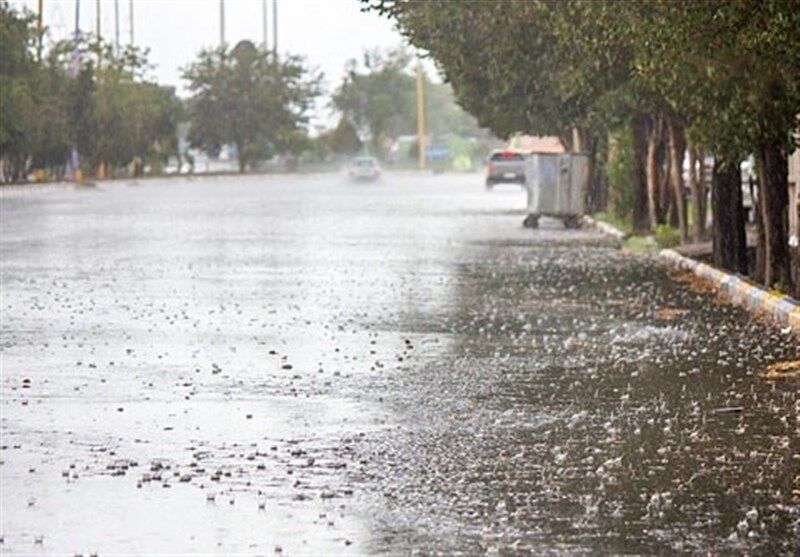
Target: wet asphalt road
x=303 y=365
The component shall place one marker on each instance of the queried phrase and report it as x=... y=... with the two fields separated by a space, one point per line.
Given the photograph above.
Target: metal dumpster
x=557 y=186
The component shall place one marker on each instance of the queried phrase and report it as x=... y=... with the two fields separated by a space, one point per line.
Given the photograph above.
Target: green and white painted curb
x=783 y=309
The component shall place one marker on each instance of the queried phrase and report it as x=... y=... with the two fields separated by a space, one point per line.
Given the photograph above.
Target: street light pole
x=39 y=33
x=97 y=29
x=77 y=176
x=264 y=23
x=420 y=117
x=275 y=28
x=77 y=22
x=222 y=23
x=130 y=16
x=116 y=27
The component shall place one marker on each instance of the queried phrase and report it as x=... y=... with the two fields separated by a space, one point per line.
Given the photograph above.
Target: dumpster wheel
x=572 y=221
x=531 y=221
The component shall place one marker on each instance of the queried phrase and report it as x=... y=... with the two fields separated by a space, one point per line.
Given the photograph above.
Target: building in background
x=536 y=144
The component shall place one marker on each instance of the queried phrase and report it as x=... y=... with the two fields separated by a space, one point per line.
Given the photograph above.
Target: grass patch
x=640 y=243
x=664 y=236
x=615 y=221
x=667 y=236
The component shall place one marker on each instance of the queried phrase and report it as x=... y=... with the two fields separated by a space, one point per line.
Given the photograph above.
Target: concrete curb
x=605 y=228
x=782 y=309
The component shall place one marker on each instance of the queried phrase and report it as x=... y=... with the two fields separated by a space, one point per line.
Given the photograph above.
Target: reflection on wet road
x=304 y=365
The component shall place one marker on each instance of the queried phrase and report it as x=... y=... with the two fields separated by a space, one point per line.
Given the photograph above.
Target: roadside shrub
x=666 y=236
x=620 y=173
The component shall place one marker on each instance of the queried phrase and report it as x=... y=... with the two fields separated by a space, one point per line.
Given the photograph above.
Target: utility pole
x=39 y=33
x=77 y=176
x=101 y=168
x=222 y=23
x=75 y=62
x=420 y=117
x=275 y=28
x=130 y=17
x=77 y=22
x=264 y=23
x=97 y=30
x=116 y=27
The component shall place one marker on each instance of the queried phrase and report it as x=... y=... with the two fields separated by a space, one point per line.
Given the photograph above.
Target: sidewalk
x=783 y=310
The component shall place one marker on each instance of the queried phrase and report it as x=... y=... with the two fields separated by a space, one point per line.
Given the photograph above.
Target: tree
x=80 y=93
x=18 y=117
x=544 y=67
x=725 y=75
x=343 y=139
x=379 y=98
x=732 y=70
x=249 y=98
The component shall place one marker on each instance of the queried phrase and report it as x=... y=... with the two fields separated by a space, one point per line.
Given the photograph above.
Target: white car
x=364 y=168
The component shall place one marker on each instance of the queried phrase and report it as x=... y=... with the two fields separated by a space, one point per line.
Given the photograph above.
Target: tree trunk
x=640 y=216
x=705 y=189
x=653 y=205
x=587 y=144
x=241 y=158
x=677 y=146
x=774 y=195
x=600 y=159
x=729 y=240
x=577 y=140
x=758 y=213
x=698 y=195
x=666 y=202
x=567 y=138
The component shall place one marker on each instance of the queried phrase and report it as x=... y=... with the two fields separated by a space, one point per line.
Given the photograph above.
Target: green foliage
x=341 y=140
x=666 y=236
x=79 y=94
x=727 y=69
x=379 y=98
x=619 y=172
x=641 y=244
x=443 y=115
x=621 y=223
x=538 y=67
x=249 y=98
x=18 y=118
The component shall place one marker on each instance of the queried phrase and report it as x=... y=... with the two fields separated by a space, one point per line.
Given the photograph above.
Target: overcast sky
x=326 y=32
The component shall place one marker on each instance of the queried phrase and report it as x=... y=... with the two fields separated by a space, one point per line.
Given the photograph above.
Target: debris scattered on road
x=728 y=410
x=782 y=370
